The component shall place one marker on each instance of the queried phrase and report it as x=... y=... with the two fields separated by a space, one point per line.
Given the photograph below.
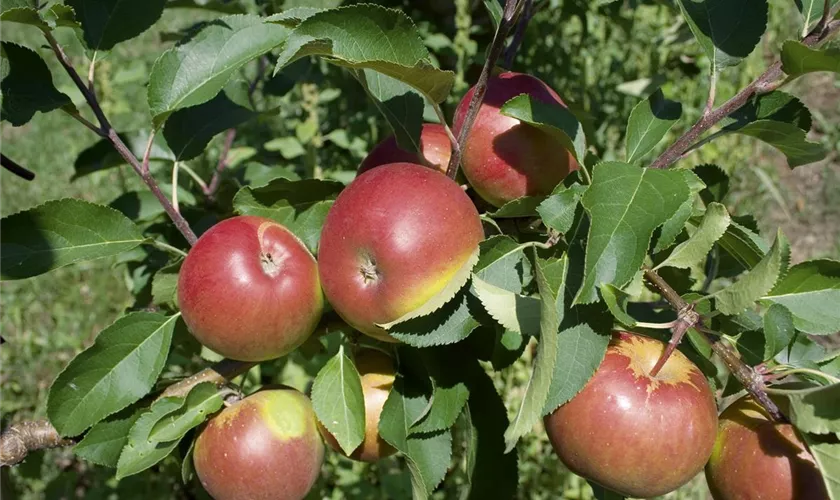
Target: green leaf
x=194 y=72
x=369 y=37
x=727 y=30
x=494 y=8
x=778 y=330
x=445 y=295
x=799 y=59
x=109 y=22
x=189 y=131
x=811 y=292
x=580 y=350
x=62 y=232
x=118 y=369
x=776 y=106
x=165 y=285
x=104 y=442
x=300 y=206
x=754 y=284
x=551 y=277
x=338 y=401
x=450 y=390
x=27 y=85
x=141 y=452
x=616 y=300
x=491 y=473
x=827 y=456
x=745 y=246
x=515 y=312
x=787 y=138
x=649 y=121
x=428 y=456
x=558 y=210
x=288 y=147
x=102 y=155
x=675 y=225
x=815 y=410
x=626 y=203
x=143 y=205
x=710 y=230
x=553 y=119
x=202 y=401
x=399 y=103
x=46 y=19
x=715 y=180
x=501 y=262
x=452 y=323
x=520 y=207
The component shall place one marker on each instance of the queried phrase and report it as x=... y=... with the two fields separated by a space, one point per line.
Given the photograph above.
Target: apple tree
x=495 y=221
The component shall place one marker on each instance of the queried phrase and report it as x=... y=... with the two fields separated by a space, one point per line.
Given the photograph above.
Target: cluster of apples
x=250 y=290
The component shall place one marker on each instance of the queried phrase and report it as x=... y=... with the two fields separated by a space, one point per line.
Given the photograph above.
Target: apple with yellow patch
x=756 y=458
x=394 y=239
x=633 y=433
x=263 y=447
x=376 y=370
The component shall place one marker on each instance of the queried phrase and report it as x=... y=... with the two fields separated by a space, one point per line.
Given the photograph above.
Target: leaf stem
x=785 y=371
x=84 y=121
x=766 y=82
x=657 y=326
x=749 y=378
x=175 y=169
x=166 y=247
x=524 y=18
x=108 y=132
x=496 y=47
x=453 y=141
x=195 y=177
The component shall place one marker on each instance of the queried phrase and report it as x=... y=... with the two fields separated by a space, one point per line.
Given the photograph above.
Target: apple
x=435 y=150
x=393 y=239
x=756 y=458
x=377 y=373
x=249 y=289
x=265 y=446
x=632 y=433
x=504 y=159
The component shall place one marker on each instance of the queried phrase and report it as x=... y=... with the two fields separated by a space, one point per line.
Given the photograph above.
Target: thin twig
x=111 y=135
x=215 y=181
x=16 y=169
x=167 y=247
x=751 y=380
x=768 y=81
x=84 y=121
x=198 y=180
x=508 y=17
x=826 y=16
x=524 y=18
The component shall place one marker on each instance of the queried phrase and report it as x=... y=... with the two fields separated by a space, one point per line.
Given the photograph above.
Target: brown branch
x=768 y=81
x=13 y=167
x=219 y=374
x=111 y=135
x=496 y=47
x=216 y=180
x=751 y=380
x=524 y=18
x=19 y=439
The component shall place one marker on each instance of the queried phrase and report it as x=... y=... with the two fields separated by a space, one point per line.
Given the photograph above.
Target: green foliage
x=26 y=86
x=649 y=121
x=339 y=403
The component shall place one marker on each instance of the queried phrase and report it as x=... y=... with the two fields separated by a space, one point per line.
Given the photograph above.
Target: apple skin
x=239 y=303
x=504 y=159
x=634 y=434
x=377 y=373
x=435 y=150
x=265 y=446
x=756 y=458
x=393 y=239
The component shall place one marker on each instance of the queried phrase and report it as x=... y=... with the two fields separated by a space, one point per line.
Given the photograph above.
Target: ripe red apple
x=393 y=239
x=504 y=159
x=249 y=289
x=377 y=373
x=435 y=150
x=638 y=435
x=265 y=446
x=756 y=458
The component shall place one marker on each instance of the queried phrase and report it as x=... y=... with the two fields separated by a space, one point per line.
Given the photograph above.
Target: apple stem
x=752 y=381
x=686 y=318
x=512 y=7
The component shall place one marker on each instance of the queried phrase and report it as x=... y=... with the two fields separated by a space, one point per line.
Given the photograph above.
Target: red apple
x=635 y=434
x=249 y=289
x=756 y=458
x=393 y=239
x=435 y=150
x=377 y=373
x=265 y=446
x=504 y=159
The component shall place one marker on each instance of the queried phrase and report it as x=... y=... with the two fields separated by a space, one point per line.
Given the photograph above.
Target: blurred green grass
x=46 y=320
